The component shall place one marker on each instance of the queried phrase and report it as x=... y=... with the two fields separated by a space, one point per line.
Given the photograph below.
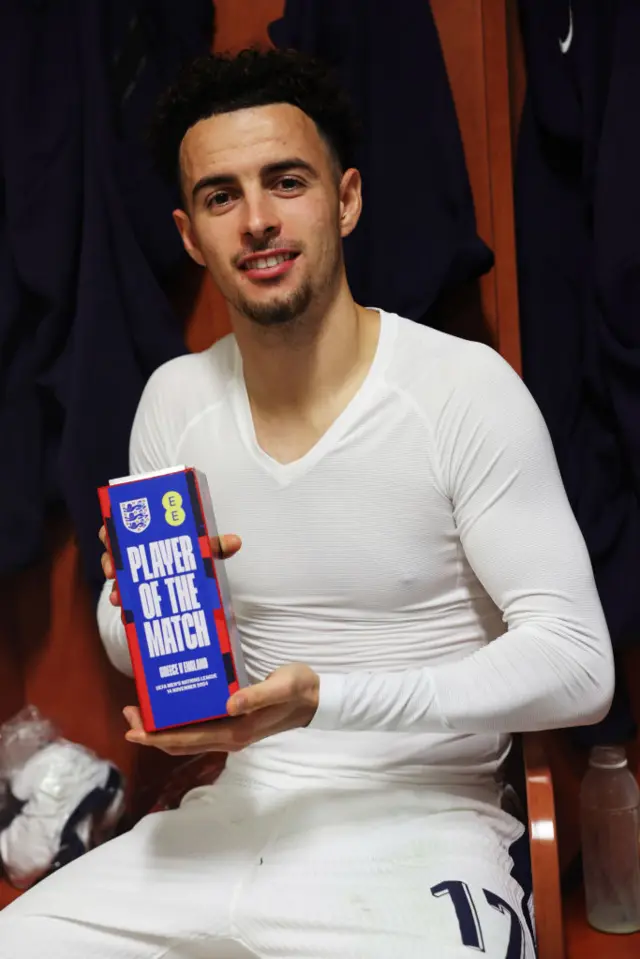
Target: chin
x=277 y=310
x=271 y=316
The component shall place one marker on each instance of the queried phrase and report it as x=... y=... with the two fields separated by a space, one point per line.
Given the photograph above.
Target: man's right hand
x=223 y=547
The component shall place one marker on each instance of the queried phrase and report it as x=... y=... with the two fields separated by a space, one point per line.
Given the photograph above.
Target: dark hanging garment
x=88 y=250
x=617 y=237
x=417 y=236
x=577 y=208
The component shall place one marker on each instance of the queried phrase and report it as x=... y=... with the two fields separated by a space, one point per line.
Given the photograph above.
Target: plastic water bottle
x=610 y=823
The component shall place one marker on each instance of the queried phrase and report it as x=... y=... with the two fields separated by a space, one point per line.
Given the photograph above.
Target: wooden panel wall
x=473 y=34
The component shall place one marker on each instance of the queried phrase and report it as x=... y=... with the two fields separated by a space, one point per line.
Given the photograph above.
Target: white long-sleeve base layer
x=422 y=557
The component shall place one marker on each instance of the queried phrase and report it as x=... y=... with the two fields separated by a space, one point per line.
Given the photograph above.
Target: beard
x=290 y=309
x=279 y=312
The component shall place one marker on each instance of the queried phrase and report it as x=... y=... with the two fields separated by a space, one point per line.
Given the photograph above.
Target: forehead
x=243 y=141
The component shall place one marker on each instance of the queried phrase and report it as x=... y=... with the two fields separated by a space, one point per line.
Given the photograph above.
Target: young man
x=398 y=500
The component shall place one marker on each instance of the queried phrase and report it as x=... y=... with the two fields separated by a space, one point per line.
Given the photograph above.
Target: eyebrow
x=270 y=169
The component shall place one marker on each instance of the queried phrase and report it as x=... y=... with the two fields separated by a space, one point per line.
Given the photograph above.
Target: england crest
x=136 y=514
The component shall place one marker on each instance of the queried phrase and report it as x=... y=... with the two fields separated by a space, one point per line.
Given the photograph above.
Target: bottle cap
x=608 y=757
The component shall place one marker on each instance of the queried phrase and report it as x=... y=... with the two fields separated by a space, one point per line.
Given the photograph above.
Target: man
x=397 y=498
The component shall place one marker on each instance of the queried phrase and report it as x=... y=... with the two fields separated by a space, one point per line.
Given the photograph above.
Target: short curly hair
x=223 y=83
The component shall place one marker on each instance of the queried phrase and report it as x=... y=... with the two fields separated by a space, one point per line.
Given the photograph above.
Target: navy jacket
x=88 y=250
x=417 y=237
x=577 y=215
x=578 y=206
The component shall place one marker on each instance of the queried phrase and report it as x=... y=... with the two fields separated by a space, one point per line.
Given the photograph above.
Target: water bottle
x=610 y=826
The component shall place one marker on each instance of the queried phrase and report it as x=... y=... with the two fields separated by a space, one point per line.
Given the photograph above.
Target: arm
x=112 y=632
x=146 y=453
x=553 y=666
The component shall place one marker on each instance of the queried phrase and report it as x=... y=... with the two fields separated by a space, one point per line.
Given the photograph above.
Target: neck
x=292 y=367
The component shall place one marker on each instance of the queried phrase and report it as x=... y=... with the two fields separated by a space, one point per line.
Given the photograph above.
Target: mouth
x=268 y=265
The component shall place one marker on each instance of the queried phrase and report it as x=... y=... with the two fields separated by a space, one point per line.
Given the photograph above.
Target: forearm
x=531 y=678
x=112 y=632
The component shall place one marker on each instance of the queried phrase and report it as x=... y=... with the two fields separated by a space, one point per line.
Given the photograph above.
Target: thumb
x=223 y=547
x=276 y=689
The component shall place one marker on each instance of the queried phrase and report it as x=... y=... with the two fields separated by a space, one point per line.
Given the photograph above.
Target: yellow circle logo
x=174 y=514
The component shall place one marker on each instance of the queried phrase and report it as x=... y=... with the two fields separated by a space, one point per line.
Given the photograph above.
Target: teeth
x=266 y=263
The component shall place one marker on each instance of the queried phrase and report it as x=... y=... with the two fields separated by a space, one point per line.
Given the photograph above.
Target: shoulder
x=182 y=377
x=480 y=415
x=434 y=368
x=180 y=390
x=185 y=385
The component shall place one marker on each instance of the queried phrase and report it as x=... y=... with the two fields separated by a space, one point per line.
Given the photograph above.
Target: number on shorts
x=467 y=916
x=515 y=949
x=466 y=912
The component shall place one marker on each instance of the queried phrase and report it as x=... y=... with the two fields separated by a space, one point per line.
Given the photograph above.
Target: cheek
x=315 y=225
x=322 y=217
x=216 y=247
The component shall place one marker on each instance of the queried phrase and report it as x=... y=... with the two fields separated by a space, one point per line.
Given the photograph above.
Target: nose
x=261 y=220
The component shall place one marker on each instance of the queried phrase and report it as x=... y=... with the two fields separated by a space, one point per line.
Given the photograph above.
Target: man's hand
x=223 y=547
x=287 y=699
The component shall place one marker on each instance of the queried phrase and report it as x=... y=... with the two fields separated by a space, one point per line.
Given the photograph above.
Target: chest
x=359 y=523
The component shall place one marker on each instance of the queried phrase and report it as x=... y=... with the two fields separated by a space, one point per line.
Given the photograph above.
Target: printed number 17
x=467 y=916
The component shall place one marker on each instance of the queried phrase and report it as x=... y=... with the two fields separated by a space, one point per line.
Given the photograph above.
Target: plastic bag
x=57 y=799
x=22 y=736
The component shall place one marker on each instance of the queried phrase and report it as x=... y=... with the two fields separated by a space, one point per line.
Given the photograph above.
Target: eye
x=289 y=184
x=219 y=199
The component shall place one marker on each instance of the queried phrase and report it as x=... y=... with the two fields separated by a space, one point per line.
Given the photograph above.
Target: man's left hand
x=287 y=699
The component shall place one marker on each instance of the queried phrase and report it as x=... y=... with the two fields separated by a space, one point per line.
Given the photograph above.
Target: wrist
x=330 y=700
x=312 y=697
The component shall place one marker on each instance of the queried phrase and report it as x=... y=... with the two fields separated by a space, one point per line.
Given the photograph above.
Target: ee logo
x=174 y=513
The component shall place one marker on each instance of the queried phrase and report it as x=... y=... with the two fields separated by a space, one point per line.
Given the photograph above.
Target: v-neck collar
x=286 y=473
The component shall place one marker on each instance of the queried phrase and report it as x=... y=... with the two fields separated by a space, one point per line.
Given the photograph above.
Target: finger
x=133 y=717
x=185 y=750
x=107 y=566
x=114 y=595
x=220 y=736
x=102 y=535
x=215 y=736
x=223 y=547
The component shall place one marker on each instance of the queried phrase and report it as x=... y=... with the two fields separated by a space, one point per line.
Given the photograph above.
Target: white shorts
x=242 y=870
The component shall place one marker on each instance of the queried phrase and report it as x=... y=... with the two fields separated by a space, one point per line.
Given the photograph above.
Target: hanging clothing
x=87 y=248
x=577 y=210
x=417 y=236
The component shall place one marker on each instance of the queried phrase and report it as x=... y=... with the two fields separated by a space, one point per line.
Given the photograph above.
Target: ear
x=182 y=221
x=350 y=201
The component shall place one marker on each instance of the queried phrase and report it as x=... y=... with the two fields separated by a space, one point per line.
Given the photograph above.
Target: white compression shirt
x=391 y=556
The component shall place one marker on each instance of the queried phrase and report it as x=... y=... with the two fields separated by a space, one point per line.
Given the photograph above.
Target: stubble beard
x=291 y=311
x=278 y=313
